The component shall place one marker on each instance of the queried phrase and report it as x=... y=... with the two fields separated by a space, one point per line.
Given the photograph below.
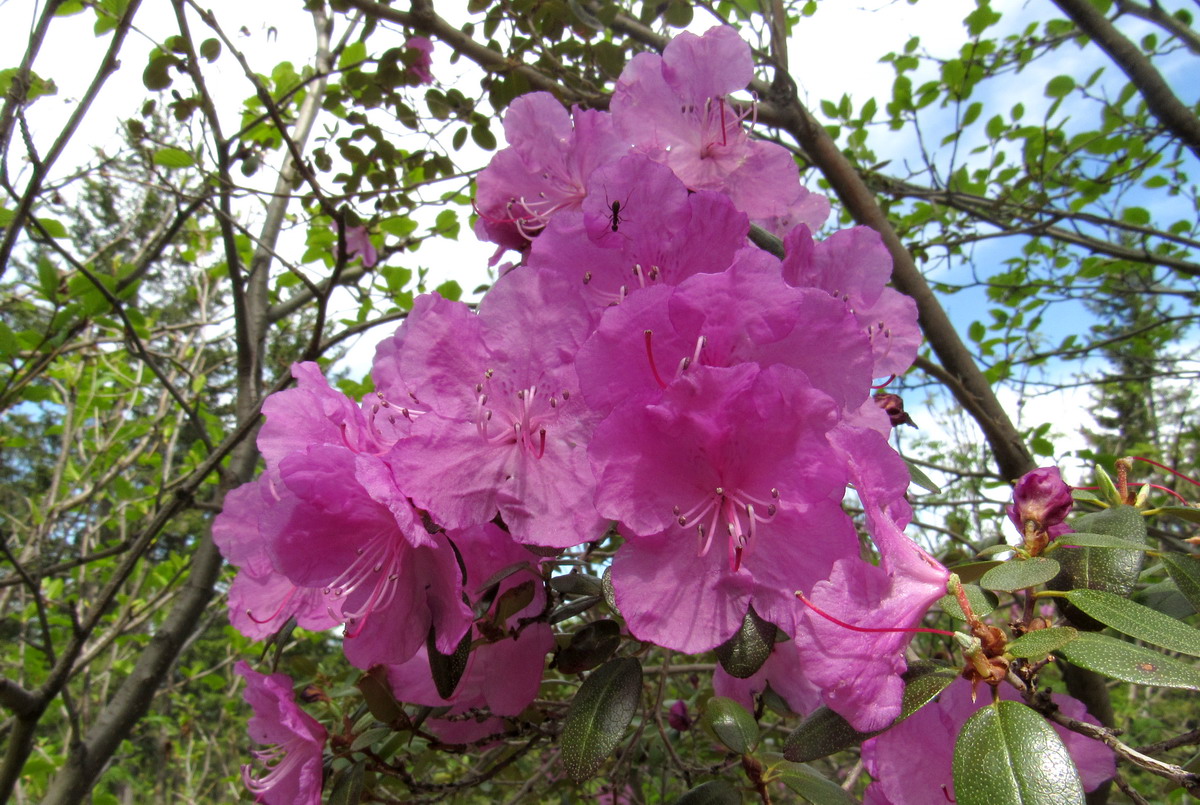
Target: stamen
x=650 y=356
x=878 y=629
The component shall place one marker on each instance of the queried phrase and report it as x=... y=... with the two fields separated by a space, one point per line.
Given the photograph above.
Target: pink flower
x=664 y=233
x=912 y=762
x=853 y=265
x=544 y=170
x=729 y=492
x=358 y=242
x=293 y=764
x=859 y=672
x=505 y=429
x=673 y=108
x=420 y=58
x=504 y=670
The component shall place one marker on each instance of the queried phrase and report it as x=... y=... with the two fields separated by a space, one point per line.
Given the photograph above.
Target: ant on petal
x=614 y=217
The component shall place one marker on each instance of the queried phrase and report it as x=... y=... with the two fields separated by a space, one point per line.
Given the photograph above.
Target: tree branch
x=1160 y=100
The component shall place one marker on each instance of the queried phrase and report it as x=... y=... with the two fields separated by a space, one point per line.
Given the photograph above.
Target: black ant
x=614 y=217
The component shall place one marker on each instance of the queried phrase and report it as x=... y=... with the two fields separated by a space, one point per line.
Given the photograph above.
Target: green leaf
x=973 y=571
x=714 y=792
x=54 y=228
x=157 y=75
x=1018 y=574
x=1138 y=621
x=1041 y=642
x=743 y=654
x=1085 y=540
x=1060 y=86
x=920 y=478
x=1184 y=570
x=483 y=137
x=449 y=290
x=731 y=724
x=210 y=49
x=982 y=602
x=805 y=781
x=602 y=709
x=173 y=158
x=1125 y=661
x=1182 y=512
x=354 y=53
x=825 y=732
x=1007 y=753
x=1115 y=571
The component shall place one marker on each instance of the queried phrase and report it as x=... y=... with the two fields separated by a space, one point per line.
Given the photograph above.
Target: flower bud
x=678 y=716
x=1041 y=502
x=893 y=406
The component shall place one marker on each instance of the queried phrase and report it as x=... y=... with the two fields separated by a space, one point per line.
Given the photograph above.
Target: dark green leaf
x=1115 y=571
x=380 y=700
x=1040 y=642
x=1138 y=621
x=743 y=654
x=1007 y=753
x=346 y=787
x=590 y=645
x=1185 y=572
x=602 y=709
x=972 y=571
x=1192 y=515
x=1129 y=663
x=1018 y=574
x=483 y=137
x=447 y=669
x=731 y=724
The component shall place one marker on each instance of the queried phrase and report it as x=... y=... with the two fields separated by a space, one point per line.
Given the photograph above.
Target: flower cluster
x=645 y=369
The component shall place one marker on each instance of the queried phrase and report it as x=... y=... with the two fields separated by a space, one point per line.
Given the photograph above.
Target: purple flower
x=1041 y=502
x=746 y=314
x=261 y=598
x=912 y=762
x=678 y=716
x=293 y=764
x=422 y=60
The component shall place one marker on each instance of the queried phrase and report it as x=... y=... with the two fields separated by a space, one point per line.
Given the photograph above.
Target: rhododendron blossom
x=293 y=764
